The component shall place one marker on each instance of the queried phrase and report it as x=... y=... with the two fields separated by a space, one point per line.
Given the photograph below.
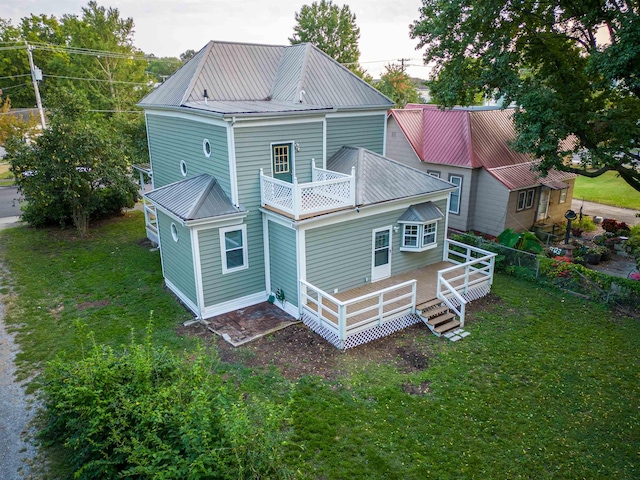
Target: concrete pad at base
x=449 y=335
x=455 y=338
x=465 y=334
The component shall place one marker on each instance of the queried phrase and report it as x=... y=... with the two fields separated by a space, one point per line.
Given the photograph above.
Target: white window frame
x=563 y=195
x=174 y=232
x=223 y=248
x=457 y=194
x=183 y=168
x=525 y=199
x=433 y=173
x=206 y=143
x=420 y=246
x=290 y=148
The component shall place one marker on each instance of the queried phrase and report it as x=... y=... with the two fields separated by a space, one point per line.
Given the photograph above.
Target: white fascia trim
x=235 y=304
x=366 y=113
x=231 y=152
x=324 y=143
x=197 y=268
x=279 y=219
x=223 y=221
x=183 y=298
x=367 y=211
x=263 y=122
x=301 y=263
x=191 y=115
x=265 y=248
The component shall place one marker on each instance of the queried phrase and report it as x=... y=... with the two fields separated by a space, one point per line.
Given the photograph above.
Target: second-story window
x=281 y=160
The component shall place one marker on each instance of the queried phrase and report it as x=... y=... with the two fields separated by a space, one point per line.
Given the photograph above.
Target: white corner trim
x=233 y=174
x=301 y=263
x=197 y=267
x=288 y=308
x=183 y=298
x=265 y=247
x=235 y=304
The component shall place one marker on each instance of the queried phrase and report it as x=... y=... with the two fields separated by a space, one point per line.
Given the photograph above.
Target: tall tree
x=332 y=29
x=572 y=68
x=396 y=84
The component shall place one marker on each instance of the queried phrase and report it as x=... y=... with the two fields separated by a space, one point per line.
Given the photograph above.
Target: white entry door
x=543 y=205
x=381 y=254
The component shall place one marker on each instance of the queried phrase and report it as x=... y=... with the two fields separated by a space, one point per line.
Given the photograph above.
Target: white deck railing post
x=262 y=186
x=352 y=186
x=295 y=201
x=342 y=323
x=320 y=297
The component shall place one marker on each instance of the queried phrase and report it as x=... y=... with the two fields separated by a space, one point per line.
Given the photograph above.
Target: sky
x=167 y=28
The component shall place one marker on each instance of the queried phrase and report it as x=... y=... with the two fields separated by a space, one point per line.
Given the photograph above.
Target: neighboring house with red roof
x=469 y=147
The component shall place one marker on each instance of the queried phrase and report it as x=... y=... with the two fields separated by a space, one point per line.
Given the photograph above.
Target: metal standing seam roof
x=523 y=175
x=194 y=198
x=266 y=76
x=421 y=212
x=380 y=179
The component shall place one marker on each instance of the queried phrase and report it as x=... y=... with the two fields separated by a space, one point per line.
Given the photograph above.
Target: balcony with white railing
x=328 y=191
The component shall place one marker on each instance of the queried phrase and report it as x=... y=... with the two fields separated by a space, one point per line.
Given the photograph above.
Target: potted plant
x=594 y=254
x=578 y=257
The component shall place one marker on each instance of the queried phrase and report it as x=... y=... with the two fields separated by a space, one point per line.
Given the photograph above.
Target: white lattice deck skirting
x=474 y=293
x=364 y=336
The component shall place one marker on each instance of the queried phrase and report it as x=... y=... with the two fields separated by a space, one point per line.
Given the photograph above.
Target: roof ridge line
x=203 y=195
x=303 y=70
x=196 y=73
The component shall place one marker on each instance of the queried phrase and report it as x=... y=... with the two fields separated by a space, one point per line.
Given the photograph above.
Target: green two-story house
x=269 y=180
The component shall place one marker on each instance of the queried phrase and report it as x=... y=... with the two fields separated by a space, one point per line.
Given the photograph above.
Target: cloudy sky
x=169 y=27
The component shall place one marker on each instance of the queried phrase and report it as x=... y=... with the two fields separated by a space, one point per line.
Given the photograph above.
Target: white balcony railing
x=469 y=279
x=327 y=191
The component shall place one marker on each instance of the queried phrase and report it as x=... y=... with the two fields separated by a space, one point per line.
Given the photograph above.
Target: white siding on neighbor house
x=174 y=139
x=340 y=255
x=398 y=147
x=492 y=198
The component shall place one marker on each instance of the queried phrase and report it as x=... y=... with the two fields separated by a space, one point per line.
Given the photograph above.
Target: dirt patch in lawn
x=95 y=304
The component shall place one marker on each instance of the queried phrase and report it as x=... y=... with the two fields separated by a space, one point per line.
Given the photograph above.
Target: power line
x=94 y=79
x=16 y=76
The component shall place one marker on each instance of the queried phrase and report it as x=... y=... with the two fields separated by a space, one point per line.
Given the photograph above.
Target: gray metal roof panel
x=422 y=212
x=287 y=82
x=380 y=179
x=194 y=198
x=172 y=90
x=247 y=107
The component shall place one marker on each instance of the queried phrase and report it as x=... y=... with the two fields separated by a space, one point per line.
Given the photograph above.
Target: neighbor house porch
x=374 y=310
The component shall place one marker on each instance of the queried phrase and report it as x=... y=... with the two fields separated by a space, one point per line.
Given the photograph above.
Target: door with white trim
x=381 y=254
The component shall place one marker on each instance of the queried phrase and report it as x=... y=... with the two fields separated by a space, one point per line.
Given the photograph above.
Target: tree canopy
x=93 y=53
x=396 y=84
x=332 y=29
x=571 y=68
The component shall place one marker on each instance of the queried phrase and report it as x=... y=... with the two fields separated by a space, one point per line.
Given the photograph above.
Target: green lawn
x=607 y=189
x=546 y=386
x=6 y=177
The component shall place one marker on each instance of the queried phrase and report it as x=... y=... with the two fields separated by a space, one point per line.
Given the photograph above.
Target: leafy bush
x=144 y=412
x=586 y=224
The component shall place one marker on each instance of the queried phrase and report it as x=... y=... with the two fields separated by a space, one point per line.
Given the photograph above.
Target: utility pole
x=34 y=79
x=402 y=60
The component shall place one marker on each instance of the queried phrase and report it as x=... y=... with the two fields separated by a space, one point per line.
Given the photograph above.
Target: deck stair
x=437 y=316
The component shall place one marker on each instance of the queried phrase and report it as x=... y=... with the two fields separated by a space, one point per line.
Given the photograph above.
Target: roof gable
x=380 y=179
x=247 y=78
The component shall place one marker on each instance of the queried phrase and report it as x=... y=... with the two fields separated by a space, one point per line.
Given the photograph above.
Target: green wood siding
x=174 y=139
x=253 y=151
x=339 y=256
x=282 y=261
x=218 y=288
x=177 y=257
x=356 y=131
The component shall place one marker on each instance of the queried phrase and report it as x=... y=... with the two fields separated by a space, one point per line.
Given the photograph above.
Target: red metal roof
x=470 y=137
x=523 y=175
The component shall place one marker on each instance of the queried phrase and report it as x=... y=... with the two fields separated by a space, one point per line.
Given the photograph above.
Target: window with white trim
x=281 y=158
x=454 y=197
x=183 y=168
x=525 y=199
x=417 y=237
x=233 y=247
x=433 y=173
x=563 y=195
x=206 y=148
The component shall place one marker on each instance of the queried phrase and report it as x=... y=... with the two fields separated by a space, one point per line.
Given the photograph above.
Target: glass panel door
x=381 y=255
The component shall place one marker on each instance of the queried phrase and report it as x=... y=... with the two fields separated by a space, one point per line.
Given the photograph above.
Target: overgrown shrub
x=586 y=224
x=144 y=412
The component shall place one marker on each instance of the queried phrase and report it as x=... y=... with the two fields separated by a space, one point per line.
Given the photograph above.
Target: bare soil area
x=297 y=351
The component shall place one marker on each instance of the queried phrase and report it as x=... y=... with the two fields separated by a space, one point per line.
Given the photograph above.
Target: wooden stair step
x=444 y=328
x=440 y=319
x=429 y=304
x=434 y=312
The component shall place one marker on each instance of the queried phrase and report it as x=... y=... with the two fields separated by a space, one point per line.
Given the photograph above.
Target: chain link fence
x=569 y=277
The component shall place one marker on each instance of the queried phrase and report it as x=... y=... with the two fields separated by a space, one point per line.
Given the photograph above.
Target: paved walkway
x=605 y=211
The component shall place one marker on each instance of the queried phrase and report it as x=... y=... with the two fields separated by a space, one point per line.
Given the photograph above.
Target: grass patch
x=6 y=177
x=546 y=386
x=108 y=283
x=608 y=189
